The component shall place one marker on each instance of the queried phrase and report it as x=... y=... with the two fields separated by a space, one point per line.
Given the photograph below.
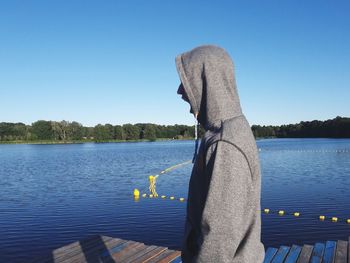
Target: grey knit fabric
x=223 y=222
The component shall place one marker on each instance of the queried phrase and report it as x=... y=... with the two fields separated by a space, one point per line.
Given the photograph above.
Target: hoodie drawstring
x=196 y=141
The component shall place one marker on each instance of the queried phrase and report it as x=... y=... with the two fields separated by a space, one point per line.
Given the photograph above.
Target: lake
x=51 y=195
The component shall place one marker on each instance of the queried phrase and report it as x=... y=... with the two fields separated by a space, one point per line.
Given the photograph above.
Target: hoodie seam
x=238 y=148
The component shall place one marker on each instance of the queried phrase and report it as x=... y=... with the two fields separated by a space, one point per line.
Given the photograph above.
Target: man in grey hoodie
x=223 y=222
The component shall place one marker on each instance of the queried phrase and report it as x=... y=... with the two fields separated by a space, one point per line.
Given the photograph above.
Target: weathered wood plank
x=90 y=254
x=293 y=254
x=119 y=248
x=305 y=254
x=349 y=250
x=114 y=253
x=150 y=255
x=281 y=254
x=269 y=254
x=165 y=257
x=176 y=260
x=329 y=252
x=341 y=252
x=127 y=252
x=69 y=250
x=317 y=253
x=139 y=254
x=80 y=252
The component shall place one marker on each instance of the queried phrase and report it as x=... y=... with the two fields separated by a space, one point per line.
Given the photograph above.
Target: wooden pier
x=108 y=249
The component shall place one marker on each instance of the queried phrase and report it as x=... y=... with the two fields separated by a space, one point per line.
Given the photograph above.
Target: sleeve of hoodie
x=226 y=216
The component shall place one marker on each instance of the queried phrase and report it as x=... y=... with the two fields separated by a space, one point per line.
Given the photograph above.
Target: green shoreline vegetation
x=64 y=132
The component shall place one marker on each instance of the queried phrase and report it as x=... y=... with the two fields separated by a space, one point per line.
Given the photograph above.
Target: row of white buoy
x=308 y=151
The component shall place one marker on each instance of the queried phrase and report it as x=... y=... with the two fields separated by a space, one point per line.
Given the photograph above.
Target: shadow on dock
x=108 y=249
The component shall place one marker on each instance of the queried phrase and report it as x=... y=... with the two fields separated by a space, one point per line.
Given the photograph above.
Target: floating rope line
x=306 y=151
x=153 y=179
x=297 y=214
x=266 y=211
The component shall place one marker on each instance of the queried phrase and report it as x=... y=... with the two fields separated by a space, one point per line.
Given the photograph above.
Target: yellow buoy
x=163 y=196
x=348 y=221
x=322 y=217
x=296 y=214
x=182 y=199
x=144 y=195
x=266 y=210
x=281 y=212
x=172 y=198
x=334 y=219
x=150 y=196
x=136 y=193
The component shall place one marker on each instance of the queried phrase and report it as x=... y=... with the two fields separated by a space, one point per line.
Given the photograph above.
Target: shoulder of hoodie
x=213 y=147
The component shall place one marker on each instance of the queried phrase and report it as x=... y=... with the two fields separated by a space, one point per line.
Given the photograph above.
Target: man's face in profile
x=181 y=91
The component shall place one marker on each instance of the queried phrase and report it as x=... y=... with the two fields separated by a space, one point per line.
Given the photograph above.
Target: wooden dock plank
x=293 y=254
x=122 y=254
x=349 y=250
x=107 y=249
x=90 y=254
x=78 y=253
x=126 y=253
x=269 y=254
x=176 y=260
x=329 y=252
x=72 y=249
x=305 y=254
x=281 y=254
x=317 y=253
x=139 y=254
x=165 y=257
x=341 y=252
x=150 y=255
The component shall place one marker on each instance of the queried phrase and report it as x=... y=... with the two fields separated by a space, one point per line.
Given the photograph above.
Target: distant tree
x=42 y=130
x=119 y=133
x=110 y=131
x=75 y=131
x=149 y=132
x=132 y=132
x=101 y=133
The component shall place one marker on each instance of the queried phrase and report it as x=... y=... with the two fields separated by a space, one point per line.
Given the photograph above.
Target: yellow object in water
x=136 y=193
x=296 y=214
x=144 y=195
x=281 y=212
x=172 y=198
x=334 y=219
x=163 y=196
x=182 y=199
x=266 y=210
x=322 y=217
x=348 y=221
x=150 y=196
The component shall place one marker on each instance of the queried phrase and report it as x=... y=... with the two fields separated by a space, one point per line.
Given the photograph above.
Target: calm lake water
x=51 y=195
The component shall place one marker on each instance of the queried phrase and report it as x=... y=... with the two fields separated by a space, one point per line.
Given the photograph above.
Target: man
x=223 y=222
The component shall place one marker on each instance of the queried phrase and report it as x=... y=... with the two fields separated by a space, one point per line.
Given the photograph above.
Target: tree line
x=42 y=130
x=73 y=131
x=338 y=127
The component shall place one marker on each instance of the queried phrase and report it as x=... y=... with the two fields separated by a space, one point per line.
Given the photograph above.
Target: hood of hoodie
x=207 y=75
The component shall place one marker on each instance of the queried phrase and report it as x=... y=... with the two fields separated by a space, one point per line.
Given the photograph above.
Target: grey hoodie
x=223 y=222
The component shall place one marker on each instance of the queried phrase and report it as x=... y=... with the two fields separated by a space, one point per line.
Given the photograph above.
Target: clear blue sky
x=113 y=61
